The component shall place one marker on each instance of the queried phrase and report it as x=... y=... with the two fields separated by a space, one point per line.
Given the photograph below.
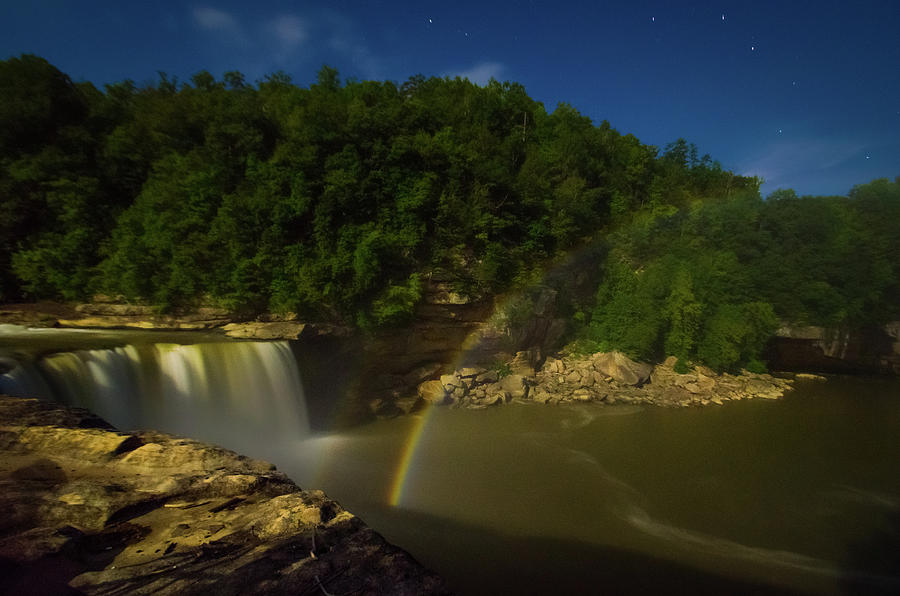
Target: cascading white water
x=210 y=391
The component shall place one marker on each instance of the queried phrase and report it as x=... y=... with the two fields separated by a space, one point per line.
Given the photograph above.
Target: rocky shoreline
x=401 y=367
x=604 y=378
x=88 y=509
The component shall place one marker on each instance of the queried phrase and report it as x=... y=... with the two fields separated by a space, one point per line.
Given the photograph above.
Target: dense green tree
x=338 y=200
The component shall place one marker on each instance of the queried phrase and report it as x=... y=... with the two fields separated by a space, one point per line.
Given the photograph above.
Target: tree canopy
x=334 y=201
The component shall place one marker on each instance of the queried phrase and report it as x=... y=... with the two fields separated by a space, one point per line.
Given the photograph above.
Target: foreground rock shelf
x=89 y=509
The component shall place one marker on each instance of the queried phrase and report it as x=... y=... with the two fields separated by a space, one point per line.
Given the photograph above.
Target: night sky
x=803 y=94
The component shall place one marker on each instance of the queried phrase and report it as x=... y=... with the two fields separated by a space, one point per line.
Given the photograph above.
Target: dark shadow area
x=45 y=472
x=483 y=562
x=329 y=370
x=48 y=576
x=872 y=565
x=863 y=352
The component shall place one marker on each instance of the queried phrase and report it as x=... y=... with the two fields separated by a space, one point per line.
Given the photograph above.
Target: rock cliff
x=91 y=510
x=820 y=349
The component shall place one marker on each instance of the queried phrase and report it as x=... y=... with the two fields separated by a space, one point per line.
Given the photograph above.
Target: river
x=799 y=495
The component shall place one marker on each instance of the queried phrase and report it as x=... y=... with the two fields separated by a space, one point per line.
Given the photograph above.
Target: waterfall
x=209 y=391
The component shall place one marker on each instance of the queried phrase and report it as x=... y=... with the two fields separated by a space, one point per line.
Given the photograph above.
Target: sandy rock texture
x=87 y=509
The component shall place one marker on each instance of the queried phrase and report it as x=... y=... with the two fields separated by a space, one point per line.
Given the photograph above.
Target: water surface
x=799 y=495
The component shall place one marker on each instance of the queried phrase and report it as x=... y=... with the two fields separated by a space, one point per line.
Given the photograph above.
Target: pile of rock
x=609 y=377
x=474 y=387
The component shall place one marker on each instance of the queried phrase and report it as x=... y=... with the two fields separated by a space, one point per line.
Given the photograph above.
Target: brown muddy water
x=799 y=495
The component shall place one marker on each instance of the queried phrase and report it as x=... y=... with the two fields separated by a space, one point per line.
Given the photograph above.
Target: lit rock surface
x=89 y=509
x=609 y=378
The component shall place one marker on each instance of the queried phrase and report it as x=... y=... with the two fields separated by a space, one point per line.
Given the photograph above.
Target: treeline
x=330 y=201
x=711 y=283
x=336 y=200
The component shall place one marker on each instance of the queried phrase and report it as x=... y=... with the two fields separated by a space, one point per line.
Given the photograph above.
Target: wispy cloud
x=290 y=31
x=270 y=41
x=785 y=161
x=284 y=34
x=213 y=19
x=345 y=39
x=481 y=73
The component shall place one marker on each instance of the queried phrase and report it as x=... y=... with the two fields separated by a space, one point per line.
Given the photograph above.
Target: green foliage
x=711 y=281
x=336 y=201
x=396 y=304
x=502 y=369
x=681 y=367
x=736 y=334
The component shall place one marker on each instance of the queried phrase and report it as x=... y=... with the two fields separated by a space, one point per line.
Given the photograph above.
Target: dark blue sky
x=803 y=94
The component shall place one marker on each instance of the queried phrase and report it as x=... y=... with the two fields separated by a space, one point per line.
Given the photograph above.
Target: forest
x=336 y=202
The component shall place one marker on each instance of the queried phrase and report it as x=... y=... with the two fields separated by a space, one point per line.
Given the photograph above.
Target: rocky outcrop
x=131 y=316
x=621 y=368
x=451 y=327
x=263 y=330
x=607 y=378
x=820 y=349
x=93 y=510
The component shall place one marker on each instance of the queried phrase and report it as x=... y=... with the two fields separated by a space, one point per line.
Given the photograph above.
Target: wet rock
x=432 y=392
x=809 y=377
x=582 y=395
x=763 y=389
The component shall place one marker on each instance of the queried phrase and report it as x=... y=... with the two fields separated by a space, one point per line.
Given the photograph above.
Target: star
x=723 y=16
x=752 y=48
x=653 y=19
x=779 y=131
x=430 y=21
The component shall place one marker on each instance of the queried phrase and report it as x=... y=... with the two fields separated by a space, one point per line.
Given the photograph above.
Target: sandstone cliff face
x=90 y=509
x=872 y=350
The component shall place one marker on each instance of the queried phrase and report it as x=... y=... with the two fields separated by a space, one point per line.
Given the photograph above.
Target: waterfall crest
x=206 y=390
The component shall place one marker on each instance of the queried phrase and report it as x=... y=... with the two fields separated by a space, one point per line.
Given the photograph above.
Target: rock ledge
x=89 y=509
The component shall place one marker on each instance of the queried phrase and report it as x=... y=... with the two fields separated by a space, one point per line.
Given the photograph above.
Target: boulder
x=763 y=389
x=515 y=386
x=432 y=392
x=469 y=372
x=497 y=399
x=554 y=366
x=621 y=368
x=451 y=382
x=573 y=378
x=582 y=395
x=487 y=377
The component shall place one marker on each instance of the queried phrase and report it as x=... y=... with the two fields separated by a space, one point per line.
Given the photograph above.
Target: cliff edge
x=88 y=509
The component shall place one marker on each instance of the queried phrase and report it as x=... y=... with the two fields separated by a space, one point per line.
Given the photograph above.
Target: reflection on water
x=753 y=495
